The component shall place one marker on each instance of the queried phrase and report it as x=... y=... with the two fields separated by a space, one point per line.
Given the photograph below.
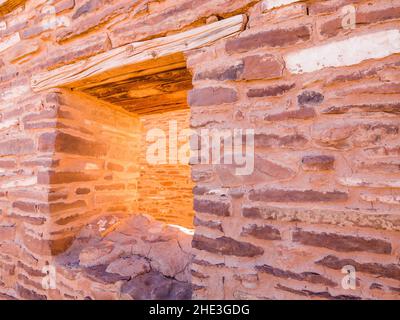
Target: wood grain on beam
x=6 y=6
x=138 y=70
x=155 y=92
x=136 y=53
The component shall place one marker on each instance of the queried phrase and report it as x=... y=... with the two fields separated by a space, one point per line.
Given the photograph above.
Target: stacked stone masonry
x=323 y=99
x=165 y=191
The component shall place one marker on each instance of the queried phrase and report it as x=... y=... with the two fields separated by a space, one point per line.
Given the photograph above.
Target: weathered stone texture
x=322 y=98
x=166 y=186
x=127 y=263
x=316 y=121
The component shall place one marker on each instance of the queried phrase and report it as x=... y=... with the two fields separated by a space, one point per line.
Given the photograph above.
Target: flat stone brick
x=341 y=53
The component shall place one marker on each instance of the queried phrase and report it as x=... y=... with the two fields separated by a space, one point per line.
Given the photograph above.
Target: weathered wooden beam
x=6 y=6
x=137 y=53
x=161 y=92
x=137 y=70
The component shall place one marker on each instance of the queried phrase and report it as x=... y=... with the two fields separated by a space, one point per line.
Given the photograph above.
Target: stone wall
x=324 y=103
x=322 y=95
x=77 y=161
x=22 y=198
x=95 y=169
x=165 y=189
x=140 y=259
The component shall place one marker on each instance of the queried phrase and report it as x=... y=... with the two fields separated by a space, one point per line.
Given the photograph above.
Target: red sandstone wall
x=23 y=201
x=95 y=171
x=66 y=160
x=165 y=190
x=327 y=192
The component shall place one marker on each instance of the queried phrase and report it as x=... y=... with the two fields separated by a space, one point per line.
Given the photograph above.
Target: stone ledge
x=138 y=259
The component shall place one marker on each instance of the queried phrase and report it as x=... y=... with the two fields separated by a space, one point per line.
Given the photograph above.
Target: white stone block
x=29 y=181
x=369 y=182
x=14 y=92
x=271 y=4
x=345 y=52
x=8 y=124
x=9 y=42
x=3 y=25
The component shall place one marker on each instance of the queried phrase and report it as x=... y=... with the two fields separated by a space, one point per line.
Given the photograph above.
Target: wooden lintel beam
x=6 y=6
x=138 y=52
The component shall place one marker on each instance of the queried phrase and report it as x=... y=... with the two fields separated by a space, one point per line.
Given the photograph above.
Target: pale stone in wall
x=324 y=192
x=345 y=52
x=9 y=42
x=271 y=4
